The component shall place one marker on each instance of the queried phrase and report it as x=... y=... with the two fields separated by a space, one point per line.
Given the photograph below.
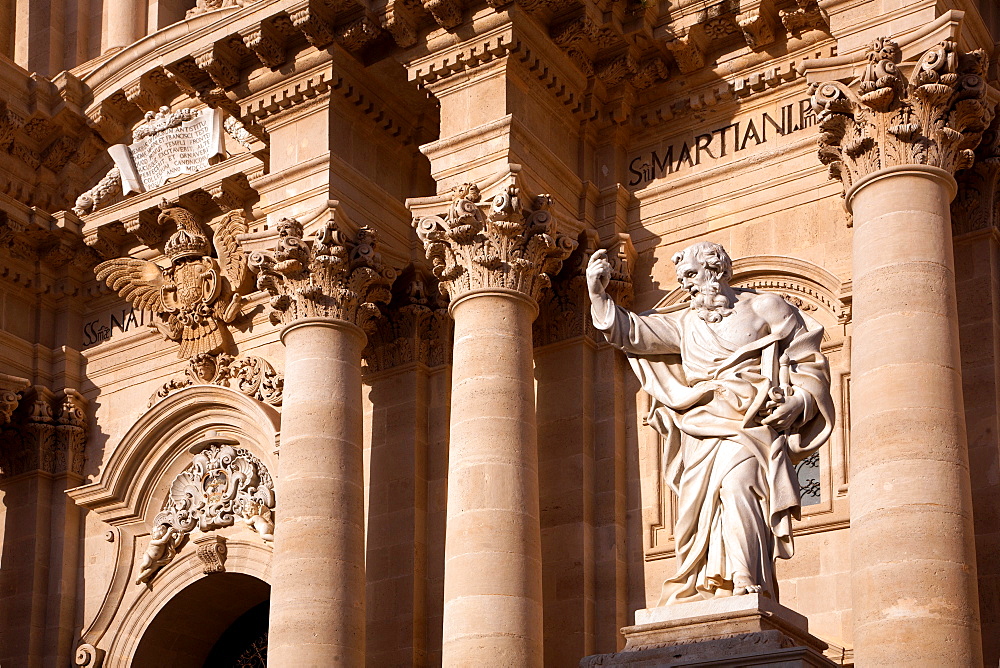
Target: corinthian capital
x=331 y=275
x=509 y=243
x=934 y=116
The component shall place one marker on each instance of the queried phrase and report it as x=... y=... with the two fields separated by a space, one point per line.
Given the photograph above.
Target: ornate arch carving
x=130 y=490
x=244 y=556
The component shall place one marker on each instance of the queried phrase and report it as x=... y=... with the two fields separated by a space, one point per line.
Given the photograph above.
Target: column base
x=749 y=630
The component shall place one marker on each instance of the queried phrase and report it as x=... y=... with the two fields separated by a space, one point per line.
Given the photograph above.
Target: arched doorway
x=209 y=619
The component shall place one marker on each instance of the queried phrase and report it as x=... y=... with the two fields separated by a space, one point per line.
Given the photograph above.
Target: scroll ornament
x=222 y=483
x=253 y=376
x=197 y=296
x=510 y=243
x=329 y=276
x=935 y=117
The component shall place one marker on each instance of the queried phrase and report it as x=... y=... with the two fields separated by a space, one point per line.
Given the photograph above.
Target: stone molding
x=934 y=117
x=510 y=243
x=197 y=297
x=332 y=275
x=212 y=551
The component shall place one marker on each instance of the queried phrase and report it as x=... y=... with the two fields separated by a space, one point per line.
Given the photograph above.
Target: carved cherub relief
x=163 y=544
x=198 y=295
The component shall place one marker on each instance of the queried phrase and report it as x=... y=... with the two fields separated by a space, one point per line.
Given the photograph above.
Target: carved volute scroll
x=331 y=275
x=509 y=243
x=935 y=117
x=197 y=296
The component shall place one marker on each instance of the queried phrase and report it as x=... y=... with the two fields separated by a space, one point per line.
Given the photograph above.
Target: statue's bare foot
x=742 y=584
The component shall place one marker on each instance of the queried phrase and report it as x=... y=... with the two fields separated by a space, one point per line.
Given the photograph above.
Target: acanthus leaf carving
x=414 y=328
x=332 y=275
x=936 y=117
x=197 y=296
x=510 y=243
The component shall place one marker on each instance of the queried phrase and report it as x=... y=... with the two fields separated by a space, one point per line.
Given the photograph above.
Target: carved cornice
x=415 y=327
x=934 y=117
x=509 y=243
x=333 y=275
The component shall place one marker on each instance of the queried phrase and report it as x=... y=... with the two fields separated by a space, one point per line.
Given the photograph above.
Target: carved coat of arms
x=198 y=295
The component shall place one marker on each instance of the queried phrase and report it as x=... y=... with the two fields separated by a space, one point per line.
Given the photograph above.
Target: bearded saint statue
x=741 y=393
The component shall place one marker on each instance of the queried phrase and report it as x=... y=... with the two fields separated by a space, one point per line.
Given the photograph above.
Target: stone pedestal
x=750 y=630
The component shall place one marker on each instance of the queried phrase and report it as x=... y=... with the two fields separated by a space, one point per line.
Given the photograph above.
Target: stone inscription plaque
x=169 y=145
x=183 y=149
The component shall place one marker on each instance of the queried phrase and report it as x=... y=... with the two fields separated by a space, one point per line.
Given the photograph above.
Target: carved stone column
x=324 y=292
x=896 y=143
x=494 y=264
x=125 y=19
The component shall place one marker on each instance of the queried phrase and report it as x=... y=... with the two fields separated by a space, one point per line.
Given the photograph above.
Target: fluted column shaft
x=493 y=570
x=317 y=613
x=913 y=552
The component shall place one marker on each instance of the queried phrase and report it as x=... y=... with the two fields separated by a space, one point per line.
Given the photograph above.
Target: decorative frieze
x=332 y=275
x=935 y=117
x=509 y=243
x=251 y=375
x=197 y=296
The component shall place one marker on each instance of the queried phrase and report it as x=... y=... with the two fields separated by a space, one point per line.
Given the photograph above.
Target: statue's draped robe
x=707 y=394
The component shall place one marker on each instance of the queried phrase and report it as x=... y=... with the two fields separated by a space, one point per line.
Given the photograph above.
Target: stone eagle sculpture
x=197 y=295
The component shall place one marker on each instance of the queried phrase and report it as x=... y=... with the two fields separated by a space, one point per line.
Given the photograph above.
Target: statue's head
x=703 y=269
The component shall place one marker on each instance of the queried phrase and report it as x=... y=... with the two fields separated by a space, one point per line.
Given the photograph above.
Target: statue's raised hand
x=598 y=274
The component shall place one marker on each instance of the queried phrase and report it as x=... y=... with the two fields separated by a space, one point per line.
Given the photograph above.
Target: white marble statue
x=741 y=393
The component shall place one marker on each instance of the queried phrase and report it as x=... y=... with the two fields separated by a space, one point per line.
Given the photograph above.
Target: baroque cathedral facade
x=297 y=366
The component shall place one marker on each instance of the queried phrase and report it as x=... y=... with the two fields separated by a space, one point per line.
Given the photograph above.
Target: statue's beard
x=710 y=305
